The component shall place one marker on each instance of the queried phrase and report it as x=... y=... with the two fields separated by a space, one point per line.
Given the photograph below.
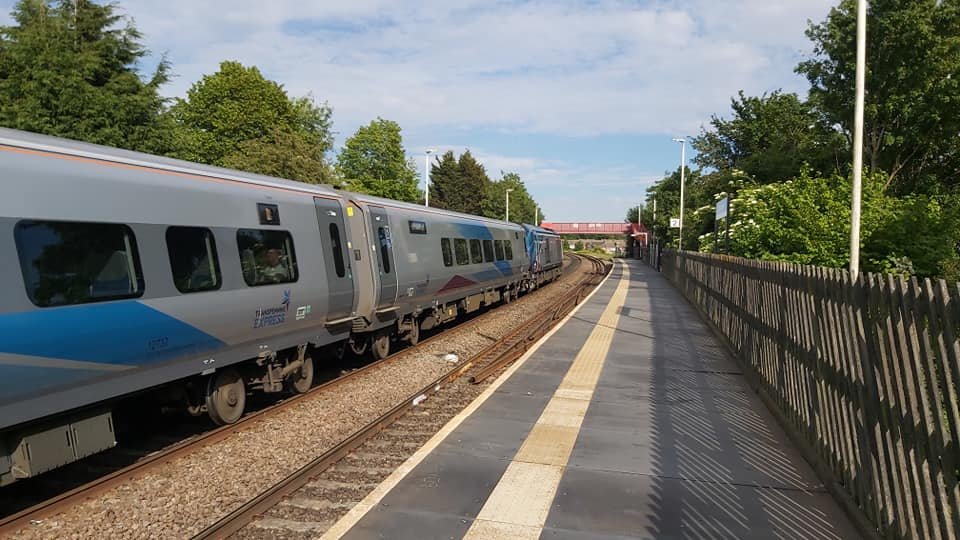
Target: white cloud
x=598 y=68
x=536 y=67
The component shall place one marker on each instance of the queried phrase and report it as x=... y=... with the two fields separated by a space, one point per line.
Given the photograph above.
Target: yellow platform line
x=520 y=503
x=373 y=498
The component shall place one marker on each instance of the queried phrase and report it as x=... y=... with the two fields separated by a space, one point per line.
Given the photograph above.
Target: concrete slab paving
x=673 y=444
x=643 y=506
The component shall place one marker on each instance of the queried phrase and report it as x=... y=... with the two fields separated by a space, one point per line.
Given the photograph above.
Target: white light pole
x=683 y=166
x=508 y=204
x=426 y=175
x=858 y=139
x=536 y=215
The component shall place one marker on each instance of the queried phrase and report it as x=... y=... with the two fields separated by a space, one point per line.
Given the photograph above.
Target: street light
x=683 y=165
x=426 y=175
x=508 y=204
x=858 y=139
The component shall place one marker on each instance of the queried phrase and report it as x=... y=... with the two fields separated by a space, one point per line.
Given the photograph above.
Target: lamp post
x=426 y=175
x=536 y=215
x=858 y=139
x=683 y=165
x=508 y=204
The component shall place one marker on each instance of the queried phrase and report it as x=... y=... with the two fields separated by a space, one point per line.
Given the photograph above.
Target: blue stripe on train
x=126 y=332
x=482 y=232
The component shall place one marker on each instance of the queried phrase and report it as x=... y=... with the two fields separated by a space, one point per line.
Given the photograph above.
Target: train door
x=336 y=258
x=380 y=232
x=363 y=258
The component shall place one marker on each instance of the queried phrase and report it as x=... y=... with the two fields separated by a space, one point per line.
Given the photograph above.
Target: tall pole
x=858 y=139
x=654 y=210
x=426 y=176
x=536 y=215
x=508 y=205
x=683 y=162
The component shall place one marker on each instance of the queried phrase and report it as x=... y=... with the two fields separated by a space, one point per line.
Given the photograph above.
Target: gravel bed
x=188 y=494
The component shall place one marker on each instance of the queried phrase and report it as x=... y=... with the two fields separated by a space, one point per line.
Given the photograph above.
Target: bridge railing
x=864 y=372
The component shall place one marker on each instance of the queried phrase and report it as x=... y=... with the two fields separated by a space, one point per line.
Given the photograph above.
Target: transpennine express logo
x=273 y=316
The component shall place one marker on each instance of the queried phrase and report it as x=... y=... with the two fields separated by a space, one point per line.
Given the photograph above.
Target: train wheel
x=302 y=379
x=413 y=335
x=507 y=296
x=359 y=345
x=381 y=346
x=226 y=397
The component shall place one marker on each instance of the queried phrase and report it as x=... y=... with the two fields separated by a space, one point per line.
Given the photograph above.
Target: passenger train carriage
x=124 y=272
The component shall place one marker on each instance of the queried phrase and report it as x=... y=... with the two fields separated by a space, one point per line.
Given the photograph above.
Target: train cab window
x=383 y=236
x=476 y=254
x=508 y=249
x=488 y=250
x=193 y=259
x=266 y=256
x=447 y=251
x=460 y=248
x=336 y=245
x=68 y=263
x=498 y=247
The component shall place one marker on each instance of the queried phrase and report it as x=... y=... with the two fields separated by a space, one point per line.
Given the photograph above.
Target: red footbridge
x=638 y=231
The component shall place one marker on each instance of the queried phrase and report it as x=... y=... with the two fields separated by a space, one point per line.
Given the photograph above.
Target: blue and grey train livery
x=125 y=272
x=544 y=253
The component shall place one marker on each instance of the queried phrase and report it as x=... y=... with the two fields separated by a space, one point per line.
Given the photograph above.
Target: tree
x=474 y=184
x=373 y=161
x=460 y=185
x=912 y=130
x=805 y=220
x=523 y=209
x=667 y=194
x=919 y=235
x=770 y=138
x=444 y=180
x=238 y=118
x=69 y=69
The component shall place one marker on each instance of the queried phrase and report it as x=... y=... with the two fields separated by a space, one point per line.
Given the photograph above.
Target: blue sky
x=580 y=98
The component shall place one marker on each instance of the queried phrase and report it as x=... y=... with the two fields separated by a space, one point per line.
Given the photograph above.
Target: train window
x=336 y=245
x=266 y=256
x=447 y=251
x=418 y=227
x=68 y=263
x=508 y=249
x=488 y=250
x=383 y=235
x=193 y=259
x=460 y=248
x=476 y=254
x=498 y=246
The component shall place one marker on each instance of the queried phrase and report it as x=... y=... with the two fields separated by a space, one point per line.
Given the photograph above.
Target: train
x=125 y=273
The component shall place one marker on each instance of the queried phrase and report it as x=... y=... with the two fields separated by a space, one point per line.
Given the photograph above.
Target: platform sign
x=674 y=223
x=722 y=206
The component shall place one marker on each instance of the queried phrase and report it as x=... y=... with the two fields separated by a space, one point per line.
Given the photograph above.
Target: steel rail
x=245 y=514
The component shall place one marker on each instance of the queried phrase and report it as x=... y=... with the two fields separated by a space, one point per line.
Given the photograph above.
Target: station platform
x=627 y=421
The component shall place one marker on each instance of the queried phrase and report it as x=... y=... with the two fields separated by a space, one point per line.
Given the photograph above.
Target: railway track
x=310 y=500
x=143 y=465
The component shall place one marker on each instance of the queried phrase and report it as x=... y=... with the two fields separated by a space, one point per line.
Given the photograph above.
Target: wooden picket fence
x=864 y=371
